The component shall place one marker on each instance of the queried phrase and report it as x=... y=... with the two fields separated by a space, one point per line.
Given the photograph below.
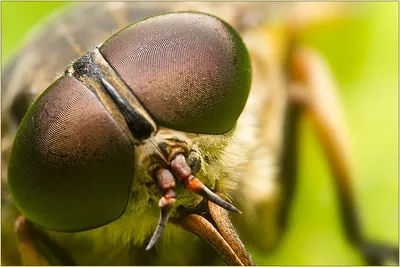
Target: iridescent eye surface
x=71 y=164
x=191 y=71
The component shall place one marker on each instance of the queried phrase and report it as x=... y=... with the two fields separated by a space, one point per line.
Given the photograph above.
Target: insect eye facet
x=191 y=71
x=71 y=164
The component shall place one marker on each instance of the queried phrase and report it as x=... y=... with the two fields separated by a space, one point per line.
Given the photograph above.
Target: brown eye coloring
x=191 y=71
x=72 y=162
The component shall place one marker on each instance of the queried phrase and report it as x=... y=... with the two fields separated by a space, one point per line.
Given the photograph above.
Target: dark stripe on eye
x=139 y=126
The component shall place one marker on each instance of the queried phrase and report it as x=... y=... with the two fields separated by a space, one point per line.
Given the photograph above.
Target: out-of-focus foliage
x=18 y=19
x=363 y=54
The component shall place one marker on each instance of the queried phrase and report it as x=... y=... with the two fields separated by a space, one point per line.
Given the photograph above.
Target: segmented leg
x=26 y=246
x=315 y=97
x=36 y=248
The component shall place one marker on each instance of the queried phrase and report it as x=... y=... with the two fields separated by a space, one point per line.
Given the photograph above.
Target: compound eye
x=191 y=71
x=71 y=165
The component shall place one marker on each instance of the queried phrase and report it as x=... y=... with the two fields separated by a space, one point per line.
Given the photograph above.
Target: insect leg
x=36 y=248
x=288 y=162
x=315 y=95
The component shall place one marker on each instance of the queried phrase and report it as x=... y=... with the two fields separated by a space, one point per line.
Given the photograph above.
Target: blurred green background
x=363 y=54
